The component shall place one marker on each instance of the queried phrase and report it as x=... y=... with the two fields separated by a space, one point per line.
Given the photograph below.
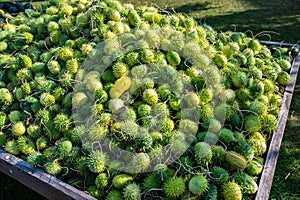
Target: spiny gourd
x=203 y=153
x=246 y=182
x=220 y=175
x=231 y=191
x=174 y=187
x=236 y=160
x=96 y=161
x=155 y=84
x=198 y=184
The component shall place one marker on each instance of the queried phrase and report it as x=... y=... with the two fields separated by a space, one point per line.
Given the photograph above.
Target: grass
x=277 y=20
x=280 y=18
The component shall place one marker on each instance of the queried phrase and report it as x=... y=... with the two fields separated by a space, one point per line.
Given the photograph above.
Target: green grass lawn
x=276 y=20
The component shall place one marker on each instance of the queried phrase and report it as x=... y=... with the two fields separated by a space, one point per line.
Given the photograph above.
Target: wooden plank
x=280 y=44
x=266 y=180
x=267 y=176
x=294 y=72
x=38 y=180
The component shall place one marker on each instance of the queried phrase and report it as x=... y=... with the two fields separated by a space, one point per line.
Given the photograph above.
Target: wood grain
x=38 y=180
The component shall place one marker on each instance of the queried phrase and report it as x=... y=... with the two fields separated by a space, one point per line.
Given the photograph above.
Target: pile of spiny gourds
x=132 y=102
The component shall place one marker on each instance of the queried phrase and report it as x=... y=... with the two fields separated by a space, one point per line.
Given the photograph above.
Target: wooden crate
x=55 y=189
x=267 y=175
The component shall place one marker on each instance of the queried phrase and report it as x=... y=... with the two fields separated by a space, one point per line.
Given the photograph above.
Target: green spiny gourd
x=79 y=99
x=53 y=168
x=66 y=53
x=18 y=128
x=132 y=192
x=285 y=64
x=3 y=119
x=211 y=193
x=213 y=125
x=97 y=132
x=174 y=187
x=151 y=181
x=139 y=162
x=245 y=148
x=42 y=143
x=6 y=96
x=128 y=114
x=64 y=148
x=283 y=78
x=96 y=161
x=129 y=128
x=26 y=88
x=24 y=74
x=62 y=122
x=239 y=79
x=220 y=60
x=198 y=184
x=11 y=146
x=52 y=26
x=144 y=140
x=3 y=138
x=252 y=123
x=65 y=9
x=165 y=125
x=26 y=145
x=254 y=168
x=120 y=180
x=132 y=58
x=258 y=142
x=236 y=160
x=14 y=116
x=3 y=46
x=191 y=100
x=227 y=136
x=139 y=71
x=101 y=180
x=47 y=99
x=150 y=96
x=147 y=83
x=95 y=192
x=207 y=137
x=119 y=69
x=35 y=158
x=188 y=126
x=258 y=107
x=164 y=92
x=114 y=195
x=93 y=84
x=173 y=58
x=72 y=65
x=205 y=112
x=220 y=175
x=203 y=153
x=246 y=182
x=144 y=110
x=218 y=153
x=25 y=61
x=121 y=85
x=147 y=56
x=231 y=191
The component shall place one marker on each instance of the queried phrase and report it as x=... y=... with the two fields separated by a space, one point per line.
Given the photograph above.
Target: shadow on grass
x=280 y=18
x=281 y=28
